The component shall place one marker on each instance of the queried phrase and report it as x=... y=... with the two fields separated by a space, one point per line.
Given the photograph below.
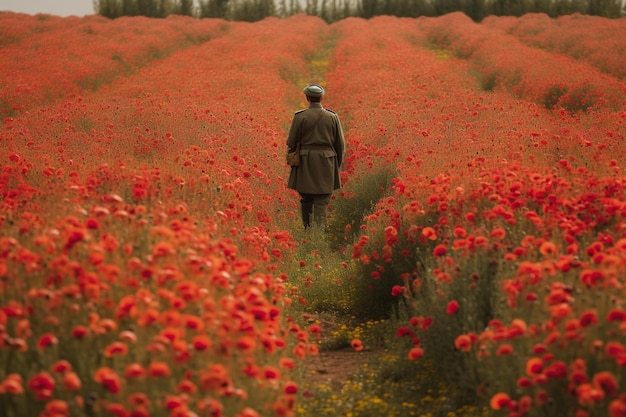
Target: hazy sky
x=55 y=7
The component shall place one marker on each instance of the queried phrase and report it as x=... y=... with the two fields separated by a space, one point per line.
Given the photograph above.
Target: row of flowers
x=142 y=237
x=597 y=41
x=503 y=61
x=503 y=234
x=101 y=51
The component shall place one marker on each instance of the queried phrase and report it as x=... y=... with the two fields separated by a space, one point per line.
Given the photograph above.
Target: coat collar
x=315 y=106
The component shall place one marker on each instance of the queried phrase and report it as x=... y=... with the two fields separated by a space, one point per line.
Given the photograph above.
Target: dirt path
x=334 y=367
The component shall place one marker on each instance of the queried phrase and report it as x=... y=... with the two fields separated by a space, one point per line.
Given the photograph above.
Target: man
x=322 y=146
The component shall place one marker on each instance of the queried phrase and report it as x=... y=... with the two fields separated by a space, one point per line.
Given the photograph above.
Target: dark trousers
x=314 y=205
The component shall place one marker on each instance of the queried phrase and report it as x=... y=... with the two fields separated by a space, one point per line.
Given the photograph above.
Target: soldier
x=322 y=146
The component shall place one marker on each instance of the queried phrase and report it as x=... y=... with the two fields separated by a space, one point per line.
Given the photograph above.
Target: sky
x=55 y=7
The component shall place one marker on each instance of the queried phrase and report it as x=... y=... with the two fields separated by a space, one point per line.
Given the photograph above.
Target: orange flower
x=357 y=345
x=590 y=277
x=71 y=382
x=201 y=342
x=210 y=407
x=617 y=408
x=128 y=336
x=498 y=233
x=193 y=322
x=500 y=400
x=429 y=233
x=463 y=342
x=134 y=370
x=248 y=412
x=13 y=384
x=57 y=408
x=215 y=377
x=287 y=363
x=158 y=369
x=588 y=395
x=115 y=348
x=173 y=401
x=187 y=386
x=548 y=249
x=416 y=353
x=108 y=379
x=459 y=232
x=534 y=366
x=246 y=343
x=504 y=350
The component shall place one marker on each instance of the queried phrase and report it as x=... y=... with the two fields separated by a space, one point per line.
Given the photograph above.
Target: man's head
x=313 y=92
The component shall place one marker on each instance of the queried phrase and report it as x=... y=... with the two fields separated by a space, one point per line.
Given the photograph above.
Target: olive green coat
x=321 y=152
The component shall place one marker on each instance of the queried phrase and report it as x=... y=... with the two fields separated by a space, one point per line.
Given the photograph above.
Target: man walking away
x=322 y=145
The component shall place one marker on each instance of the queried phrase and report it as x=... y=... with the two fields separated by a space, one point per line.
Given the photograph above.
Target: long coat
x=321 y=150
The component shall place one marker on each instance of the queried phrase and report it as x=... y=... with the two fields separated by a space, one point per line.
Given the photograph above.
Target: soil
x=335 y=367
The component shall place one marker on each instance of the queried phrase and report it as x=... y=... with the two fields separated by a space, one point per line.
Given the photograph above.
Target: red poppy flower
x=617 y=408
x=290 y=388
x=440 y=250
x=108 y=379
x=13 y=384
x=158 y=369
x=453 y=307
x=115 y=348
x=607 y=382
x=269 y=372
x=534 y=366
x=134 y=370
x=357 y=345
x=463 y=342
x=616 y=315
x=57 y=408
x=61 y=366
x=201 y=342
x=504 y=350
x=416 y=353
x=500 y=400
x=429 y=233
x=397 y=290
x=71 y=382
x=42 y=381
x=46 y=340
x=588 y=318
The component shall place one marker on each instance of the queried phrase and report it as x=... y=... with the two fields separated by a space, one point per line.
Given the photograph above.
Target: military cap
x=313 y=90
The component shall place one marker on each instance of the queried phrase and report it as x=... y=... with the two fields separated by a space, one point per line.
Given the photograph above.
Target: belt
x=317 y=147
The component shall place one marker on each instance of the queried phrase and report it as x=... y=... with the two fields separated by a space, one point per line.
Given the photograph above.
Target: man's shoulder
x=300 y=111
x=332 y=111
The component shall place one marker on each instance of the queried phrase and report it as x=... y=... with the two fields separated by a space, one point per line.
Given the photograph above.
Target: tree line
x=334 y=10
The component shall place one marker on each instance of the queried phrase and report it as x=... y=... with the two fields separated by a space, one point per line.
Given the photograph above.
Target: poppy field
x=153 y=262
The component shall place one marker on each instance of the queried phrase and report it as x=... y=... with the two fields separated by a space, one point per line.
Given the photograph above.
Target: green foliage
x=356 y=200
